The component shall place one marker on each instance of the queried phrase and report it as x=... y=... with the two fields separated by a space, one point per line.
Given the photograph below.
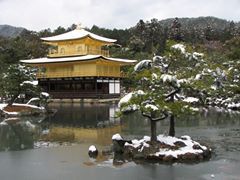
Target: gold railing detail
x=71 y=52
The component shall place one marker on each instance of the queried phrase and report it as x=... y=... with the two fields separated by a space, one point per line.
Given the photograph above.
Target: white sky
x=42 y=14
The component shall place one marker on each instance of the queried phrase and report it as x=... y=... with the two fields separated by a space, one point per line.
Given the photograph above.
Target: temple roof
x=77 y=34
x=74 y=59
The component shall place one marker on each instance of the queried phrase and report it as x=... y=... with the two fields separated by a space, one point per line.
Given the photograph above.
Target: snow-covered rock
x=167 y=149
x=92 y=151
x=92 y=148
x=117 y=137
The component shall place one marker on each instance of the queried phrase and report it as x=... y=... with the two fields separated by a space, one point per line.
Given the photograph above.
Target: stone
x=179 y=144
x=168 y=158
x=92 y=151
x=118 y=145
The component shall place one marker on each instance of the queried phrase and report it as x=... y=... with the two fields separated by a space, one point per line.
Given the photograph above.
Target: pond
x=84 y=124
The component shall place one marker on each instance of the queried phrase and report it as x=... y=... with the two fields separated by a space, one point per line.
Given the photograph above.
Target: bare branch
x=146 y=115
x=165 y=115
x=173 y=93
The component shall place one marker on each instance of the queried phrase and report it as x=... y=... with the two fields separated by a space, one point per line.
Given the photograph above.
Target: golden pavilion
x=77 y=66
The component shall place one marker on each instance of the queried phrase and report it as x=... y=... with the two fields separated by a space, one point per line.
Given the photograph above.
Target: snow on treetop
x=151 y=106
x=157 y=59
x=140 y=92
x=34 y=83
x=143 y=64
x=45 y=94
x=197 y=55
x=92 y=148
x=191 y=99
x=180 y=47
x=32 y=99
x=198 y=76
x=168 y=78
x=117 y=137
x=154 y=76
x=125 y=99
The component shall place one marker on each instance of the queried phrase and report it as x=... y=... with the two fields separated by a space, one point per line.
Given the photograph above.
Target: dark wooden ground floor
x=86 y=88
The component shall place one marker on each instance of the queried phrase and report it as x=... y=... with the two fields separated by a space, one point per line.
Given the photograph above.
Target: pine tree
x=18 y=80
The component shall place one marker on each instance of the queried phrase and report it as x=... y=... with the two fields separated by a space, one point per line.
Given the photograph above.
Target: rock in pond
x=92 y=151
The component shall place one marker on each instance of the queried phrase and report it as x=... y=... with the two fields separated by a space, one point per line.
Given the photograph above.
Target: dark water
x=86 y=124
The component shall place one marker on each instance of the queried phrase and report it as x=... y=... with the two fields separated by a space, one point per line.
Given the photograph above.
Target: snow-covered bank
x=20 y=110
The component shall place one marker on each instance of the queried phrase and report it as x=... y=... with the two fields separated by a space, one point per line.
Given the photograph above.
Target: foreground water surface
x=84 y=124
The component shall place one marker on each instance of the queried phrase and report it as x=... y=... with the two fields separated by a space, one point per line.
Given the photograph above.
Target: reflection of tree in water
x=16 y=135
x=135 y=124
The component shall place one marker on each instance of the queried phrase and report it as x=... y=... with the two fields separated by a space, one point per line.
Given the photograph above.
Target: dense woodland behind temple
x=217 y=38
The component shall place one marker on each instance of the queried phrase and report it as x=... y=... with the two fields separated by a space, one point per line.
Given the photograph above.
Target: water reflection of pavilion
x=83 y=115
x=100 y=136
x=84 y=122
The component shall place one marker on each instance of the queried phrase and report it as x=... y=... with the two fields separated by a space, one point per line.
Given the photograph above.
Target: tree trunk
x=172 y=126
x=153 y=130
x=12 y=100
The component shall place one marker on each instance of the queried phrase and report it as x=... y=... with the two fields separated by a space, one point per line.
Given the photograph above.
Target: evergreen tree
x=167 y=88
x=18 y=80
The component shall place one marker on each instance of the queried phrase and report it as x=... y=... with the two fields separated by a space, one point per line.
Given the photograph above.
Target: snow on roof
x=34 y=83
x=78 y=34
x=75 y=58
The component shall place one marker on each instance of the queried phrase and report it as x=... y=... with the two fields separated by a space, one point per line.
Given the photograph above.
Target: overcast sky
x=42 y=14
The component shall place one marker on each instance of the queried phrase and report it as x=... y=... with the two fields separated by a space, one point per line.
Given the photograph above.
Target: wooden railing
x=71 y=52
x=76 y=74
x=70 y=95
